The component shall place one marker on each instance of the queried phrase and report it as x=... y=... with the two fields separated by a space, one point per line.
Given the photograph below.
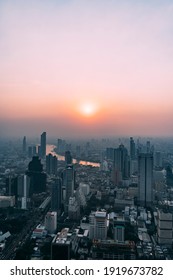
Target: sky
x=88 y=68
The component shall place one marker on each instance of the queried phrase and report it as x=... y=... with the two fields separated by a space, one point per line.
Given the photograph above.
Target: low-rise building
x=7 y=201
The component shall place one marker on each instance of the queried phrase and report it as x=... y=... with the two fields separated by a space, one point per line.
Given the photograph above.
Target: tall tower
x=121 y=161
x=132 y=148
x=23 y=191
x=37 y=176
x=110 y=153
x=61 y=144
x=51 y=164
x=145 y=173
x=24 y=145
x=68 y=182
x=68 y=157
x=148 y=147
x=43 y=145
x=158 y=159
x=56 y=196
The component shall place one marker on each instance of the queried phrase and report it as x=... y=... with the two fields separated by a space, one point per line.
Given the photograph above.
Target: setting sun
x=88 y=109
x=86 y=77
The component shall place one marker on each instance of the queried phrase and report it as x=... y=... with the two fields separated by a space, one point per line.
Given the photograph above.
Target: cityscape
x=86 y=130
x=108 y=199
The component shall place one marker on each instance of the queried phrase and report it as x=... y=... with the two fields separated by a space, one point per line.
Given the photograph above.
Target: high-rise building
x=164 y=228
x=148 y=147
x=98 y=225
x=85 y=188
x=116 y=176
x=51 y=164
x=30 y=151
x=56 y=196
x=110 y=153
x=132 y=149
x=158 y=160
x=37 y=176
x=78 y=151
x=68 y=182
x=145 y=179
x=73 y=209
x=119 y=230
x=11 y=185
x=61 y=244
x=34 y=150
x=43 y=145
x=61 y=145
x=51 y=222
x=133 y=167
x=23 y=192
x=24 y=145
x=39 y=150
x=81 y=197
x=121 y=161
x=68 y=157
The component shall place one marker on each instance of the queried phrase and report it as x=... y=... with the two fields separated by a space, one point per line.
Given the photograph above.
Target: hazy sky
x=86 y=67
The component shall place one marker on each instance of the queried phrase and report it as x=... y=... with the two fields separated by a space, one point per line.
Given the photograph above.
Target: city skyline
x=86 y=68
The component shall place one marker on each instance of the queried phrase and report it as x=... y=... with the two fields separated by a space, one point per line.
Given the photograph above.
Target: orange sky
x=58 y=57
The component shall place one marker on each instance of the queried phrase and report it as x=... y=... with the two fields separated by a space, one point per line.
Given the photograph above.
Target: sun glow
x=88 y=109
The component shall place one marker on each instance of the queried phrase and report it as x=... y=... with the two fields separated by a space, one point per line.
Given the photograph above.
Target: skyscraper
x=68 y=182
x=110 y=153
x=51 y=164
x=121 y=161
x=23 y=192
x=132 y=148
x=24 y=145
x=148 y=146
x=158 y=159
x=78 y=151
x=30 y=151
x=37 y=176
x=61 y=144
x=56 y=196
x=11 y=185
x=73 y=209
x=68 y=157
x=145 y=177
x=43 y=145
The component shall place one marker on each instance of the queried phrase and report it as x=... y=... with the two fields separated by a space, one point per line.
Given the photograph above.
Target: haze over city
x=86 y=136
x=88 y=68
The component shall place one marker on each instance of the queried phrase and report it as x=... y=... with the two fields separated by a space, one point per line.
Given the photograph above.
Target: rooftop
x=100 y=214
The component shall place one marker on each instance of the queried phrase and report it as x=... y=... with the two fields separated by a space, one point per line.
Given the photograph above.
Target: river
x=50 y=150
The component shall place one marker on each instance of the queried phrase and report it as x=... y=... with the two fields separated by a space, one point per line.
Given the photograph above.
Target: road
x=18 y=240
